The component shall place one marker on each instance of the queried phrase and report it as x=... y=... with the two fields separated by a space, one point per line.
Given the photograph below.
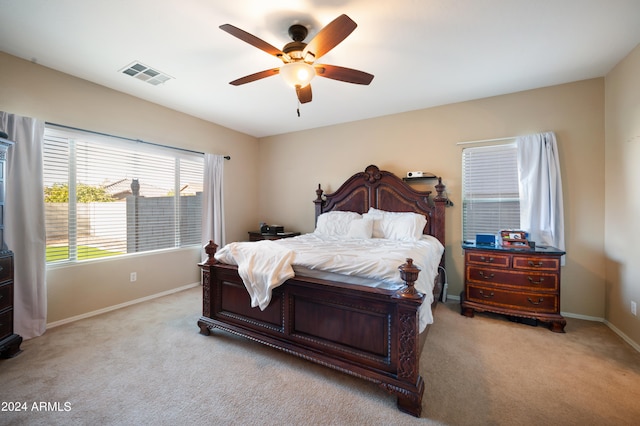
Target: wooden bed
x=367 y=332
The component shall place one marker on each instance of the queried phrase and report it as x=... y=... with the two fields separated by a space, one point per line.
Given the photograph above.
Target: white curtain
x=24 y=222
x=212 y=202
x=541 y=207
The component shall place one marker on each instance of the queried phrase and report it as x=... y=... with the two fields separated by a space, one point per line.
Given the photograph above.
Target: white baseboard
x=624 y=337
x=613 y=328
x=582 y=317
x=119 y=306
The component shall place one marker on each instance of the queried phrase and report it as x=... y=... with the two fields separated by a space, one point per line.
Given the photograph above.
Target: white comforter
x=264 y=265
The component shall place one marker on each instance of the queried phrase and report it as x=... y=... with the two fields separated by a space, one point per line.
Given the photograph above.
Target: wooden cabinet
x=517 y=283
x=9 y=341
x=257 y=236
x=4 y=146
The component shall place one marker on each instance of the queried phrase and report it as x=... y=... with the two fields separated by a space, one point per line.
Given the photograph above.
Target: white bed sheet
x=372 y=262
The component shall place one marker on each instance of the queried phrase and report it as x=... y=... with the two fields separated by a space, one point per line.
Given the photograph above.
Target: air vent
x=142 y=72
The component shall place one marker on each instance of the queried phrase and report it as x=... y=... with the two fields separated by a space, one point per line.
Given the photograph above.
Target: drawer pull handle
x=486 y=277
x=484 y=259
x=540 y=300
x=535 y=282
x=535 y=265
x=486 y=296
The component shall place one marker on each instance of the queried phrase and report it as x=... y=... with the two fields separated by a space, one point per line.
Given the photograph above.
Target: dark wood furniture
x=9 y=341
x=258 y=236
x=519 y=283
x=367 y=332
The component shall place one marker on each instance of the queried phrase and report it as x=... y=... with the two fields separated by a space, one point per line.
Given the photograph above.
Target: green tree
x=59 y=193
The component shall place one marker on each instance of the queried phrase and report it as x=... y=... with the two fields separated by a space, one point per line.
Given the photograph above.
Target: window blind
x=105 y=196
x=490 y=194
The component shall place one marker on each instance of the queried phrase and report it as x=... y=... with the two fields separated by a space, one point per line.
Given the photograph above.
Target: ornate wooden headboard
x=385 y=191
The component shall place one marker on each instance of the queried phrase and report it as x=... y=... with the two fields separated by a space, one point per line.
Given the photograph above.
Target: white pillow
x=403 y=226
x=376 y=216
x=336 y=223
x=360 y=229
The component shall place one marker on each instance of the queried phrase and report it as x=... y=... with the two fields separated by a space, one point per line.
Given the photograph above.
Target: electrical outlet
x=634 y=308
x=133 y=276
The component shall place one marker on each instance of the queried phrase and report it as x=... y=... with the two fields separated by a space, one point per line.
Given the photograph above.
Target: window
x=490 y=194
x=107 y=196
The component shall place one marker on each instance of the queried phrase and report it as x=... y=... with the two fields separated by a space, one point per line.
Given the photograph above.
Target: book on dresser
x=523 y=284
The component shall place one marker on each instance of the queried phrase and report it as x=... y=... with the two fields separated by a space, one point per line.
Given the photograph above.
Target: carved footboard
x=366 y=332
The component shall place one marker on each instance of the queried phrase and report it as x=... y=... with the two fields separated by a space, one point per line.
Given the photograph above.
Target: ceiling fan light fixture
x=297 y=73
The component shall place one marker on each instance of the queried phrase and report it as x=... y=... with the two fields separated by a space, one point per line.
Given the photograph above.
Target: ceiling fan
x=299 y=57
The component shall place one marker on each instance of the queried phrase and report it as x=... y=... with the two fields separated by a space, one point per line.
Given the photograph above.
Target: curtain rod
x=226 y=157
x=487 y=140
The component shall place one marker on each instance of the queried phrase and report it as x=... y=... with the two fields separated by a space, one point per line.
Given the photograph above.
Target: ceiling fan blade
x=252 y=40
x=348 y=75
x=330 y=36
x=253 y=77
x=304 y=93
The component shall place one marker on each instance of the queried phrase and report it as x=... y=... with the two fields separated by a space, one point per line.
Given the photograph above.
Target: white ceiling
x=423 y=53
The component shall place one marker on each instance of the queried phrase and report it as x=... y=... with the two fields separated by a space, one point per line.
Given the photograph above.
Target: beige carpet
x=148 y=365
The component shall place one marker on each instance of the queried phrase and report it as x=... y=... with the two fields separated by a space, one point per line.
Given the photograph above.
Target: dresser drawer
x=536 y=263
x=521 y=281
x=6 y=323
x=517 y=301
x=6 y=268
x=497 y=260
x=6 y=296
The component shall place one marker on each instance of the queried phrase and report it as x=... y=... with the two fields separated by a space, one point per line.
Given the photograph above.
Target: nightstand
x=257 y=236
x=520 y=283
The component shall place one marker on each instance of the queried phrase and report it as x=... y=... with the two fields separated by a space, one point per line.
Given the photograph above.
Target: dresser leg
x=558 y=326
x=467 y=312
x=11 y=346
x=464 y=310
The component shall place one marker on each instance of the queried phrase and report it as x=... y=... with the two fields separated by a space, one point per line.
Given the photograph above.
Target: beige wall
x=35 y=91
x=281 y=186
x=622 y=176
x=293 y=165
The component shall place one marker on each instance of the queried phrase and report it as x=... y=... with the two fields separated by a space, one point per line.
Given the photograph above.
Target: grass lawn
x=84 y=253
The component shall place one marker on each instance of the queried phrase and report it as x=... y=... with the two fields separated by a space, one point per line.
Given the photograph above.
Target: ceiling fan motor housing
x=294 y=49
x=298 y=32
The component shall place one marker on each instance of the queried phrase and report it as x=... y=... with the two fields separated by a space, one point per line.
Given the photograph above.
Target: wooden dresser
x=9 y=341
x=519 y=283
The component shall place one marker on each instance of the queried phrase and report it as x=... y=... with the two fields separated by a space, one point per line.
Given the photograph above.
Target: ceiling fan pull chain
x=298 y=110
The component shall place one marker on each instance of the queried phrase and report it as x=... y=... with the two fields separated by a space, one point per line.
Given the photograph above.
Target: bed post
x=319 y=202
x=441 y=202
x=409 y=274
x=210 y=249
x=410 y=394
